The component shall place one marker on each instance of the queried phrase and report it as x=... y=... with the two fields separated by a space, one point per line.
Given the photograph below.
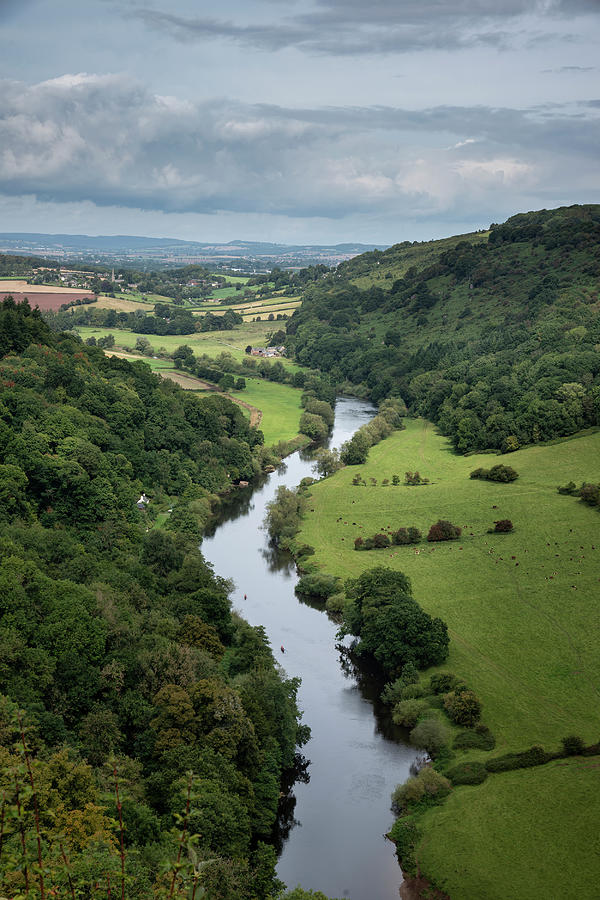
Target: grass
x=519 y=835
x=521 y=608
x=280 y=406
x=524 y=621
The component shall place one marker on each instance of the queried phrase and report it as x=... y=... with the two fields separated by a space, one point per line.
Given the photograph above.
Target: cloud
x=110 y=141
x=351 y=27
x=562 y=69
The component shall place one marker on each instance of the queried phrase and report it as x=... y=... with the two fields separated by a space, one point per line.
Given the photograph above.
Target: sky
x=295 y=121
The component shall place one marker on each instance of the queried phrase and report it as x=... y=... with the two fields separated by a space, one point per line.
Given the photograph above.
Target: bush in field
x=415 y=478
x=590 y=494
x=410 y=535
x=463 y=707
x=499 y=472
x=429 y=735
x=425 y=789
x=572 y=745
x=381 y=541
x=408 y=712
x=503 y=526
x=444 y=531
x=569 y=488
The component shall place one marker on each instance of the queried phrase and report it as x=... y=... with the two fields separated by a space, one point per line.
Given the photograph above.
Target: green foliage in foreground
x=118 y=641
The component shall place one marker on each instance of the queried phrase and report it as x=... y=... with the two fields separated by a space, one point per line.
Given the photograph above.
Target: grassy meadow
x=521 y=608
x=280 y=406
x=527 y=834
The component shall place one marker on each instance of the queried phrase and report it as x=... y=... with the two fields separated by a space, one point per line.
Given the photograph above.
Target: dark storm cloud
x=106 y=140
x=352 y=27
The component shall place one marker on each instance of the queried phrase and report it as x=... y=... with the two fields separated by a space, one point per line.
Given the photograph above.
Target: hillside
x=122 y=665
x=494 y=336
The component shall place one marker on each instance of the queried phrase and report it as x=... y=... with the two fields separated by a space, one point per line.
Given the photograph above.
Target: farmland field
x=46 y=299
x=521 y=608
x=280 y=406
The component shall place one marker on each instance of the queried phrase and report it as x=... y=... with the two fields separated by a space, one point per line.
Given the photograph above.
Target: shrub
x=444 y=531
x=408 y=712
x=405 y=835
x=572 y=745
x=498 y=472
x=590 y=494
x=359 y=543
x=429 y=735
x=478 y=738
x=569 y=488
x=381 y=541
x=395 y=479
x=412 y=692
x=463 y=707
x=535 y=756
x=322 y=586
x=442 y=682
x=502 y=473
x=335 y=605
x=479 y=473
x=415 y=478
x=503 y=526
x=467 y=773
x=427 y=788
x=410 y=535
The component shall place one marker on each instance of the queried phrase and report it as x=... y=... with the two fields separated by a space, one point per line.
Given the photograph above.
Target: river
x=337 y=842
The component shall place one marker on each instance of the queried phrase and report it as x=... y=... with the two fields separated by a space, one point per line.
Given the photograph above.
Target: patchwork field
x=521 y=608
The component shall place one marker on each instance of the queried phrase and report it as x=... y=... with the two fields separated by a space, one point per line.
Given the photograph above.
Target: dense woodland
x=118 y=642
x=494 y=340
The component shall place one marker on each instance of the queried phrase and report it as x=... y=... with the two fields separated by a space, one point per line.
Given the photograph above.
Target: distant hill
x=133 y=248
x=495 y=336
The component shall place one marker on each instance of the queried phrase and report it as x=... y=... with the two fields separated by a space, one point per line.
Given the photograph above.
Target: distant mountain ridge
x=159 y=248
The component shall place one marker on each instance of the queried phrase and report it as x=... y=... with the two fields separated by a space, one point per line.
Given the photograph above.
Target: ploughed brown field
x=46 y=299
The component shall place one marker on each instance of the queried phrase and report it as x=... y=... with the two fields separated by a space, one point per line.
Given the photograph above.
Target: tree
x=444 y=531
x=326 y=462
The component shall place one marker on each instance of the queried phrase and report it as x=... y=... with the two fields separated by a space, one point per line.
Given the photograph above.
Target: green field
x=523 y=617
x=530 y=834
x=210 y=342
x=280 y=406
x=521 y=608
